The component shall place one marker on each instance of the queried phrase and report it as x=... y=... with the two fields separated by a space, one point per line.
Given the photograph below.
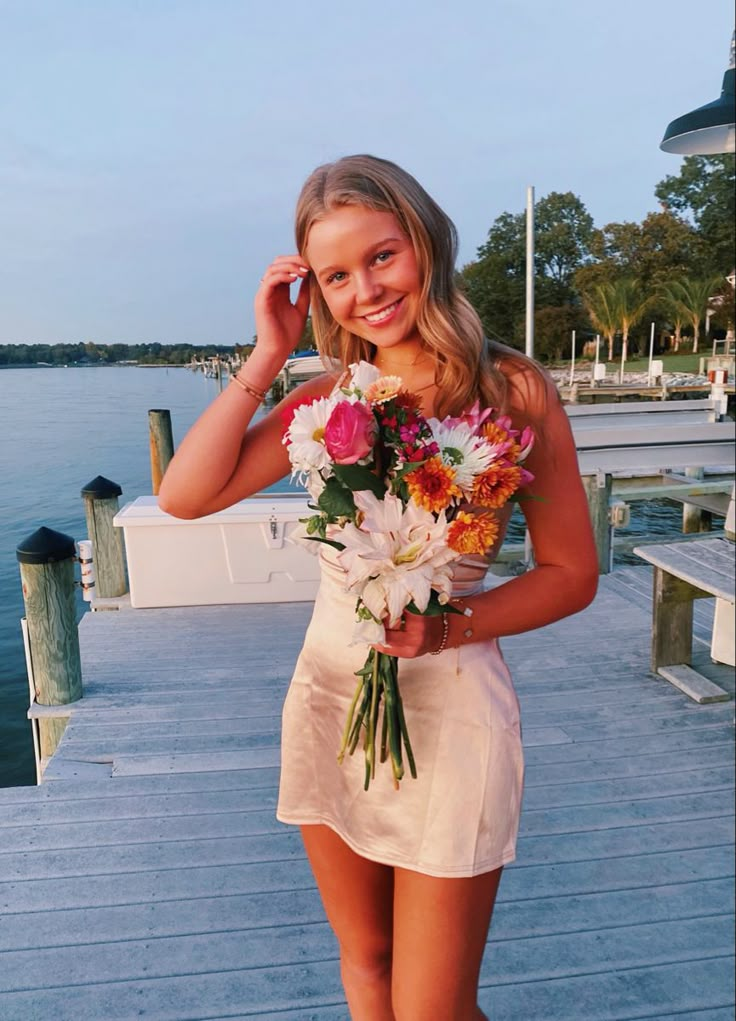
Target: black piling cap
x=101 y=489
x=45 y=546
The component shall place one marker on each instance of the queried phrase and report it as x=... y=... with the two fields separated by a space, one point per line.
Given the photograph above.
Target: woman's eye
x=383 y=256
x=336 y=278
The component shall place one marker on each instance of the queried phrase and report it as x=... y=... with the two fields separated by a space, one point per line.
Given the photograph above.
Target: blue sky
x=151 y=151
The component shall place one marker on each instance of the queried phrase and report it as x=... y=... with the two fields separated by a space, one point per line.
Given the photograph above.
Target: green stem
x=358 y=724
x=370 y=739
x=394 y=732
x=384 y=733
x=404 y=731
x=348 y=723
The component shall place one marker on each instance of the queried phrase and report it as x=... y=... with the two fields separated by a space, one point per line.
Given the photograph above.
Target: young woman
x=408 y=878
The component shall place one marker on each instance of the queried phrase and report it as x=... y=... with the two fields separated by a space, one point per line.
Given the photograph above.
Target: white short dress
x=460 y=817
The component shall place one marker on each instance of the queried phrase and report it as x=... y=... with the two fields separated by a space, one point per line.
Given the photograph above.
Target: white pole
x=597 y=348
x=651 y=355
x=623 y=360
x=529 y=348
x=572 y=361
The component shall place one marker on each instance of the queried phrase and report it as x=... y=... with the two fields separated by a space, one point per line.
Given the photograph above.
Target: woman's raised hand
x=279 y=322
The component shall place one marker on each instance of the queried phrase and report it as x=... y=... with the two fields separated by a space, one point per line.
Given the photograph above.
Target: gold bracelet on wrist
x=246 y=387
x=445 y=632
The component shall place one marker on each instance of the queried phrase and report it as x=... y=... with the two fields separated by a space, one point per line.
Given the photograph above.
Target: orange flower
x=497 y=483
x=472 y=533
x=432 y=485
x=497 y=435
x=383 y=389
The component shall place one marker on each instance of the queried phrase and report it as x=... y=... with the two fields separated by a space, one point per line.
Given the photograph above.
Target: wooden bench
x=684 y=572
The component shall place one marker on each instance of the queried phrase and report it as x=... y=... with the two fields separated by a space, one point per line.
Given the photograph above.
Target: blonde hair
x=467 y=364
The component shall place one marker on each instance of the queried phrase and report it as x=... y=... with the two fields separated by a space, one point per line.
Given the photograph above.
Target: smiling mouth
x=384 y=313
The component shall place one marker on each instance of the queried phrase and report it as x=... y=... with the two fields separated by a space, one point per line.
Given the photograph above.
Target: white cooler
x=238 y=555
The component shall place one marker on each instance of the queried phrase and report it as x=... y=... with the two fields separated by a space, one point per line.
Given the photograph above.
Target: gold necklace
x=400 y=365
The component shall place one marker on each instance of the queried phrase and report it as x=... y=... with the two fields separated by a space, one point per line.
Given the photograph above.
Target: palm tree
x=600 y=306
x=691 y=297
x=674 y=310
x=629 y=307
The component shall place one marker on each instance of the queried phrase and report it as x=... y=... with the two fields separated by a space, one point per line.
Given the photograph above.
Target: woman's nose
x=367 y=288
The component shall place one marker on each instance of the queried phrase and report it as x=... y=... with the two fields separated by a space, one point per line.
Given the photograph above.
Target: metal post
x=529 y=347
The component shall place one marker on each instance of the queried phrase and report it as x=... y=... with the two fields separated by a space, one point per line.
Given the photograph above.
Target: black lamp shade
x=708 y=130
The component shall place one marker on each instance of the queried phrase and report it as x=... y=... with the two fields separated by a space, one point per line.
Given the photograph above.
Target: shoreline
x=99 y=365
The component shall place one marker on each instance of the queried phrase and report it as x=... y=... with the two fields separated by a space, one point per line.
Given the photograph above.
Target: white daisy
x=314 y=484
x=305 y=437
x=460 y=449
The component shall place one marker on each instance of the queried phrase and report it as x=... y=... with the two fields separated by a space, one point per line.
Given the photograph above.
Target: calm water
x=62 y=427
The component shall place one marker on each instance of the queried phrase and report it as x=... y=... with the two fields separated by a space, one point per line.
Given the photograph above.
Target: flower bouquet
x=401 y=497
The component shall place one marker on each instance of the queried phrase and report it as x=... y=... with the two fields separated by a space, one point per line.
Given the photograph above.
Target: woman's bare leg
x=440 y=932
x=358 y=899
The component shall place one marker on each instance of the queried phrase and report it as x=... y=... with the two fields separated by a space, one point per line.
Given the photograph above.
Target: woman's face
x=367 y=271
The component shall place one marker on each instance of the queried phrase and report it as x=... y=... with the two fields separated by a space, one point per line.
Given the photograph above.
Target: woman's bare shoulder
x=532 y=392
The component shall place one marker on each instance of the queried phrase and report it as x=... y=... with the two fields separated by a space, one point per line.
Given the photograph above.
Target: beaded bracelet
x=260 y=395
x=445 y=634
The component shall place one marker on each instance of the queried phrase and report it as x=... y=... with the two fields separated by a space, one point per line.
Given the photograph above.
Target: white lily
x=362 y=375
x=396 y=556
x=299 y=536
x=368 y=632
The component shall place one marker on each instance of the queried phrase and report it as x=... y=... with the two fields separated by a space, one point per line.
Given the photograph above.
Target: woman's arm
x=221 y=460
x=565 y=578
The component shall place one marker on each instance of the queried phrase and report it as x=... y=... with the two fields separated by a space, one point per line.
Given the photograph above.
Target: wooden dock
x=148 y=878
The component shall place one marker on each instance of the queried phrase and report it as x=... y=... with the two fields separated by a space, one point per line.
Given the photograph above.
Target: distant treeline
x=110 y=354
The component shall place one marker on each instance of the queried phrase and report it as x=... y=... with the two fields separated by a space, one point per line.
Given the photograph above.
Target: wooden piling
x=695 y=519
x=162 y=444
x=598 y=491
x=100 y=507
x=46 y=561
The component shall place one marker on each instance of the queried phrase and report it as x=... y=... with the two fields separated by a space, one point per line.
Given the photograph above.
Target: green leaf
x=408 y=467
x=434 y=607
x=359 y=477
x=336 y=500
x=328 y=542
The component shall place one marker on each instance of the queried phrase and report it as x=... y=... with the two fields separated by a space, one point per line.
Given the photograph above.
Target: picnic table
x=683 y=572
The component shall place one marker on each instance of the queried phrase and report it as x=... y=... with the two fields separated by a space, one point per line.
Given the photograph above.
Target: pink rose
x=350 y=433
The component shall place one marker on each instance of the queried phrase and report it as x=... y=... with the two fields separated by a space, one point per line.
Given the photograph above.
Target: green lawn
x=672 y=363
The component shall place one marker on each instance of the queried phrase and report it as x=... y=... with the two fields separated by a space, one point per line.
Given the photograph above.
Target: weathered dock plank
x=166 y=888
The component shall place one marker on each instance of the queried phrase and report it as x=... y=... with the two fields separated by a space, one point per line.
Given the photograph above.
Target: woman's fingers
x=413 y=635
x=288 y=265
x=303 y=297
